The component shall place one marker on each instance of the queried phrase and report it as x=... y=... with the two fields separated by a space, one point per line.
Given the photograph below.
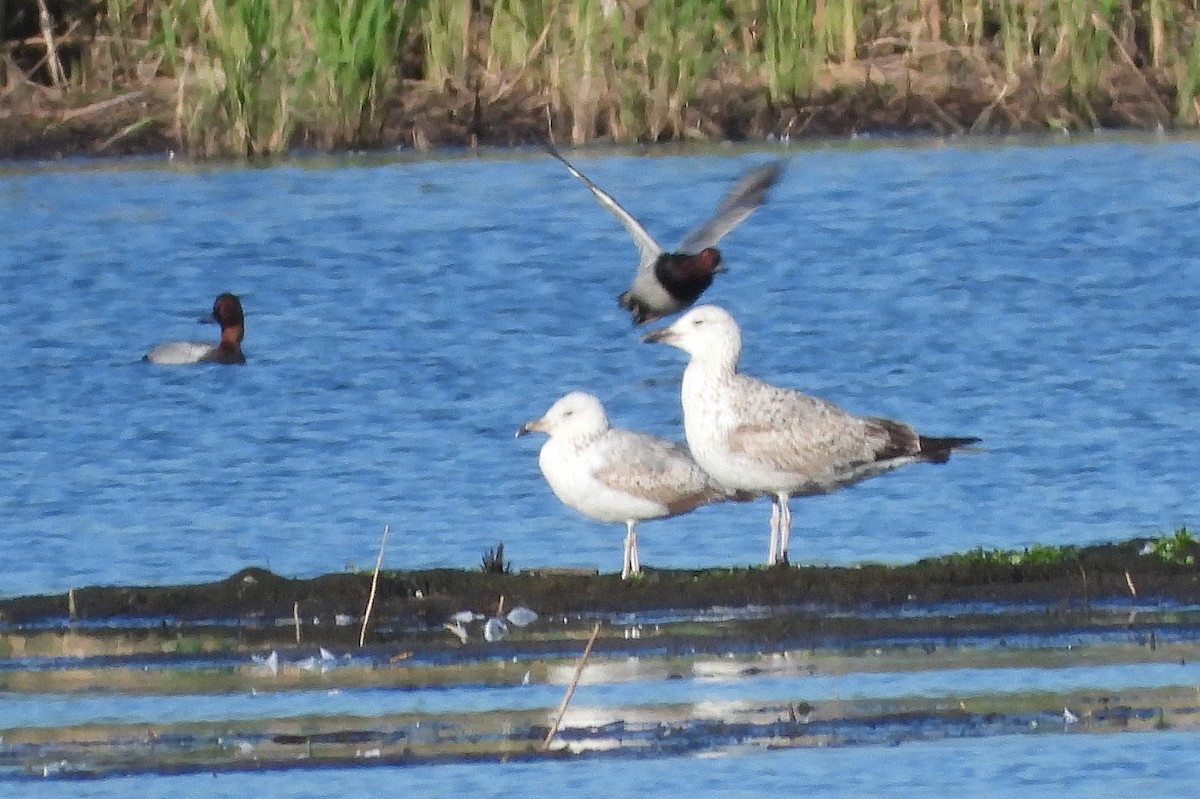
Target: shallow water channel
x=161 y=703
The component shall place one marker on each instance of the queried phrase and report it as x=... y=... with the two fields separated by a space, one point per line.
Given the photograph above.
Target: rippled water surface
x=406 y=316
x=1072 y=767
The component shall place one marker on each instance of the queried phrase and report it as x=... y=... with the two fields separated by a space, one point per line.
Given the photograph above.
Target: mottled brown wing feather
x=895 y=439
x=796 y=433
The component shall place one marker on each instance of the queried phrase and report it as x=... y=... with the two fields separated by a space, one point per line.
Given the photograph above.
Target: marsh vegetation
x=254 y=77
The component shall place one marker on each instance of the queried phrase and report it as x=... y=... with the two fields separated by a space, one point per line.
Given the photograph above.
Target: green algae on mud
x=425 y=599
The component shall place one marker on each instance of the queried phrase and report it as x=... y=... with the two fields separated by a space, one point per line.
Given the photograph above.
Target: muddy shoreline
x=413 y=600
x=44 y=124
x=785 y=637
x=949 y=96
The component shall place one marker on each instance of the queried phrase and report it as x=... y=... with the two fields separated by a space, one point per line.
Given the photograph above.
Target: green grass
x=357 y=44
x=1179 y=547
x=575 y=69
x=1187 y=79
x=241 y=69
x=790 y=55
x=445 y=28
x=661 y=70
x=250 y=72
x=1017 y=33
x=1033 y=555
x=1087 y=31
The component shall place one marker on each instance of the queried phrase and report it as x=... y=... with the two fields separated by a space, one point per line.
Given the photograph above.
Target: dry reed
x=252 y=73
x=362 y=635
x=566 y=700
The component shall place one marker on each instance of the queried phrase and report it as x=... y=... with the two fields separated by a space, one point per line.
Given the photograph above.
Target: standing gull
x=669 y=282
x=756 y=437
x=616 y=475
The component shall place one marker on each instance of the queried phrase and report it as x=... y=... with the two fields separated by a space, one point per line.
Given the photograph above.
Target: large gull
x=760 y=438
x=616 y=475
x=668 y=282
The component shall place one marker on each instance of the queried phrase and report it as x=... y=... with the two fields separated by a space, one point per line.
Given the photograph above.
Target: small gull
x=665 y=282
x=323 y=661
x=616 y=475
x=760 y=438
x=521 y=616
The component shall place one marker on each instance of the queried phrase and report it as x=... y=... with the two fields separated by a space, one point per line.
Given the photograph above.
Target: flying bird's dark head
x=686 y=276
x=685 y=268
x=708 y=261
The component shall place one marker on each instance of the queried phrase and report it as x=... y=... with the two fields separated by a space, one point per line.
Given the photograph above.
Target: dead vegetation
x=116 y=77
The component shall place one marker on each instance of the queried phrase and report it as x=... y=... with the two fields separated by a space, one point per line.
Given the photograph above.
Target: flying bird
x=668 y=282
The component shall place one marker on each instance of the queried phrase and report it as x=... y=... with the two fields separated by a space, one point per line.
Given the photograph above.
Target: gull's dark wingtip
x=939 y=450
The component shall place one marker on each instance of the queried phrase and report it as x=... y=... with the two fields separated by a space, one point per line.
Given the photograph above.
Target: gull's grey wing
x=745 y=196
x=655 y=469
x=647 y=246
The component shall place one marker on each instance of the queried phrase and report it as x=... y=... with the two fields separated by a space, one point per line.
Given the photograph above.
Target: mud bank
x=1075 y=580
x=688 y=663
x=888 y=97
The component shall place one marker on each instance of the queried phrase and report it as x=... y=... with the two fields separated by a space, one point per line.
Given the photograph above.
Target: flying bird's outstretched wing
x=647 y=246
x=741 y=201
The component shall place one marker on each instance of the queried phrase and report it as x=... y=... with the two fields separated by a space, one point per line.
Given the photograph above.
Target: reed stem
x=362 y=635
x=566 y=700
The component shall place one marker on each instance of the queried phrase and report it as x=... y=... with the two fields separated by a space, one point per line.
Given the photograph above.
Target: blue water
x=1066 y=766
x=608 y=698
x=404 y=317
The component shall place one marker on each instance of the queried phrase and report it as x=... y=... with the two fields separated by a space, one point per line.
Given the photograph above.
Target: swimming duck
x=227 y=312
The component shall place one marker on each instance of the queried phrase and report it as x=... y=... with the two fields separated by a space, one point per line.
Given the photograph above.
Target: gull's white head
x=706 y=332
x=575 y=414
